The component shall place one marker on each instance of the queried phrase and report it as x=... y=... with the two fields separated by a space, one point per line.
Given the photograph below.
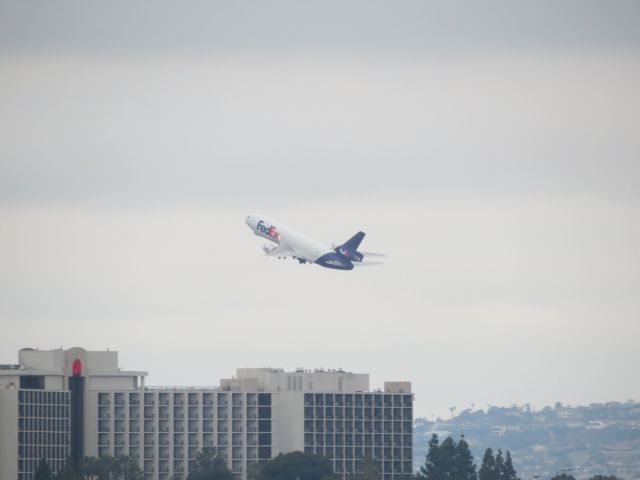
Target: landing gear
x=301 y=260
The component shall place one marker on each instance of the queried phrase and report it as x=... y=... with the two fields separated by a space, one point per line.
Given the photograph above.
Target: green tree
x=103 y=468
x=108 y=468
x=465 y=469
x=209 y=466
x=441 y=460
x=499 y=465
x=43 y=471
x=128 y=469
x=447 y=459
x=68 y=472
x=296 y=465
x=253 y=471
x=488 y=468
x=430 y=469
x=89 y=468
x=508 y=471
x=605 y=477
x=563 y=476
x=370 y=469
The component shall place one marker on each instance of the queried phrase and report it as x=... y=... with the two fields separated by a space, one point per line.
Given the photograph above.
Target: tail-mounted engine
x=353 y=255
x=349 y=249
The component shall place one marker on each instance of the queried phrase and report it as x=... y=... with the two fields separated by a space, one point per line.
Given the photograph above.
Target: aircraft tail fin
x=354 y=242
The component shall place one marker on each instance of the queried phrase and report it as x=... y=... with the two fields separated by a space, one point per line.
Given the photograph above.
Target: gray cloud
x=176 y=131
x=413 y=30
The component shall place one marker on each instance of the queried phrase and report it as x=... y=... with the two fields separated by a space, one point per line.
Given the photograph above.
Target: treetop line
x=449 y=460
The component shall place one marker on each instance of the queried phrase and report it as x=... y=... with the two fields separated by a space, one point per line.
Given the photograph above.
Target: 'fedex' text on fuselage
x=271 y=231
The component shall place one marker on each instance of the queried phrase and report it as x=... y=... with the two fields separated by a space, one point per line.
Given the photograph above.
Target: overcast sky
x=491 y=148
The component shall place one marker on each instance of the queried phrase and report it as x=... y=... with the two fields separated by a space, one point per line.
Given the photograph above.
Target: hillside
x=589 y=440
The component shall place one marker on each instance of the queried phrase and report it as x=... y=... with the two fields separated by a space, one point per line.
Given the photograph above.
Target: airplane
x=289 y=243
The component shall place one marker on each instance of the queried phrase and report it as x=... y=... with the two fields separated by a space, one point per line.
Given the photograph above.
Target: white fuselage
x=278 y=233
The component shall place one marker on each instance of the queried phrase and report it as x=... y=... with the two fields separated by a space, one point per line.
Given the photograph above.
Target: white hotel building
x=74 y=403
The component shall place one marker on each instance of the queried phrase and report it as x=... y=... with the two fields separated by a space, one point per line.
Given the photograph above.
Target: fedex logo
x=271 y=231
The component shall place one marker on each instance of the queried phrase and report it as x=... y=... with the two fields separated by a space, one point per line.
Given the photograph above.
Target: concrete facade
x=250 y=418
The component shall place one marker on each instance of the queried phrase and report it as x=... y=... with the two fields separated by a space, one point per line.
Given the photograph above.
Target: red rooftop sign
x=76 y=367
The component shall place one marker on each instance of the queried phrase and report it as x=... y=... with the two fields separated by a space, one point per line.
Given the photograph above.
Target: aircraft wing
x=282 y=250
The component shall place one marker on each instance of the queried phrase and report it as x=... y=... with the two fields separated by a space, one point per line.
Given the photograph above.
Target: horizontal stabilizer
x=371 y=254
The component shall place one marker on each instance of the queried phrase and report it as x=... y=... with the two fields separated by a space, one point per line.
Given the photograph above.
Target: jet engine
x=347 y=251
x=267 y=248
